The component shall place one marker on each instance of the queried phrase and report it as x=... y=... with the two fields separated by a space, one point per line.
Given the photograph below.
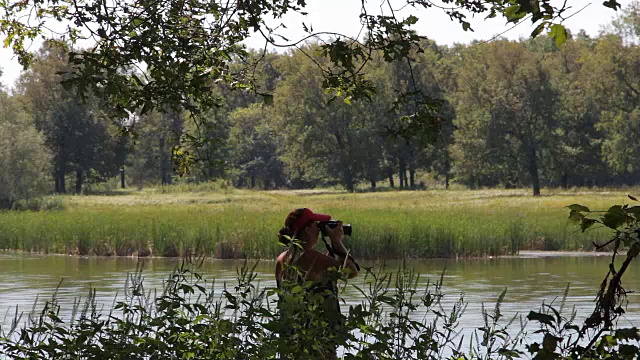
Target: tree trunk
x=347 y=175
x=533 y=172
x=565 y=180
x=56 y=181
x=412 y=168
x=78 y=181
x=390 y=176
x=163 y=162
x=372 y=171
x=446 y=181
x=402 y=174
x=122 y=177
x=253 y=181
x=61 y=181
x=412 y=176
x=348 y=179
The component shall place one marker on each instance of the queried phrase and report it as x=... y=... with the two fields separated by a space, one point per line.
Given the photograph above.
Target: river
x=531 y=279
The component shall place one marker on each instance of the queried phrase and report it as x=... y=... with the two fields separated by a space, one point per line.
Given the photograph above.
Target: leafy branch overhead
x=171 y=53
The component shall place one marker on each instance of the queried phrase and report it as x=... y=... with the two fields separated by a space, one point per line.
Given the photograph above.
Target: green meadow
x=232 y=223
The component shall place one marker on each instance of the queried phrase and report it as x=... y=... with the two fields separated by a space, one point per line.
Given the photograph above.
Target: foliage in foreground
x=395 y=320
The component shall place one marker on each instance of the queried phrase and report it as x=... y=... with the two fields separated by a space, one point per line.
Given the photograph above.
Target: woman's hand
x=336 y=234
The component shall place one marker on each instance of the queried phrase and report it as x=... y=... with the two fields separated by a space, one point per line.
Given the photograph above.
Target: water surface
x=530 y=279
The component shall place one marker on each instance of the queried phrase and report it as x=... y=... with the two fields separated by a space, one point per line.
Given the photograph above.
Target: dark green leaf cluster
x=153 y=54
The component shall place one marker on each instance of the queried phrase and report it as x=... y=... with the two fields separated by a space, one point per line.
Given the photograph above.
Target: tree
x=205 y=138
x=613 y=72
x=254 y=148
x=24 y=159
x=326 y=141
x=505 y=113
x=575 y=160
x=619 y=122
x=418 y=143
x=81 y=137
x=156 y=134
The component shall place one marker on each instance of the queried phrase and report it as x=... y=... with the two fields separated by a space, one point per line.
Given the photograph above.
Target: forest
x=504 y=114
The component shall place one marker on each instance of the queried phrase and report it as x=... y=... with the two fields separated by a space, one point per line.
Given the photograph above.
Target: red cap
x=298 y=218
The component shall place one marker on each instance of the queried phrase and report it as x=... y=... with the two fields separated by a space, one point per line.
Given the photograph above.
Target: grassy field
x=230 y=223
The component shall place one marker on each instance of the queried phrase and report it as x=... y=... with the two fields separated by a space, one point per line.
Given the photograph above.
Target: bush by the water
x=45 y=203
x=395 y=320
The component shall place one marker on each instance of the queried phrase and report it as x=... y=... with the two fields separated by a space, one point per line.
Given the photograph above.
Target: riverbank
x=231 y=223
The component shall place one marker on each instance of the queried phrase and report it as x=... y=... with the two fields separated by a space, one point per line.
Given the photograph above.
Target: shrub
x=189 y=320
x=47 y=203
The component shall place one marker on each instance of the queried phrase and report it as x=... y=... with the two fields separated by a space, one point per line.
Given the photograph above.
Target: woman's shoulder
x=323 y=259
x=281 y=257
x=309 y=257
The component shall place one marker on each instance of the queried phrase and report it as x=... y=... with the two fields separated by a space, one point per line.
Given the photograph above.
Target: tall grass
x=236 y=224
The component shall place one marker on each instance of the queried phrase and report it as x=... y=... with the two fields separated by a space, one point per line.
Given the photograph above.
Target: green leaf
x=629 y=351
x=411 y=20
x=613 y=4
x=575 y=217
x=540 y=317
x=578 y=208
x=550 y=342
x=615 y=217
x=586 y=224
x=513 y=14
x=538 y=30
x=509 y=353
x=559 y=33
x=267 y=99
x=628 y=334
x=610 y=340
x=634 y=250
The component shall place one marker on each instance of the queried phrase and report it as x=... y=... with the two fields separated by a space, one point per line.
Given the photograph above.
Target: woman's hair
x=285 y=234
x=288 y=230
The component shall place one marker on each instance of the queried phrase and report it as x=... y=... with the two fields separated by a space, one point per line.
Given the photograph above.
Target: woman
x=302 y=224
x=317 y=273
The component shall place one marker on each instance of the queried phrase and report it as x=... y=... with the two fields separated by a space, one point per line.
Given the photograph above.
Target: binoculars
x=323 y=225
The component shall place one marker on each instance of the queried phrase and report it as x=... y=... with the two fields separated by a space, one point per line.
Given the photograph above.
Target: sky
x=341 y=16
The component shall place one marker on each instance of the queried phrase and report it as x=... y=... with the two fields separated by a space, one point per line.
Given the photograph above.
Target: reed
x=232 y=223
x=395 y=319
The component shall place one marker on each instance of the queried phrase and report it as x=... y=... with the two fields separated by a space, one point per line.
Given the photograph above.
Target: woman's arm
x=279 y=271
x=344 y=258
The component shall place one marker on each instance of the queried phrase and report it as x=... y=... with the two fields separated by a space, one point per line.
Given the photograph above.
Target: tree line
x=503 y=113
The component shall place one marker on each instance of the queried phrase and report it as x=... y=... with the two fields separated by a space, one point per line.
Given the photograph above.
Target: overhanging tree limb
x=187 y=46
